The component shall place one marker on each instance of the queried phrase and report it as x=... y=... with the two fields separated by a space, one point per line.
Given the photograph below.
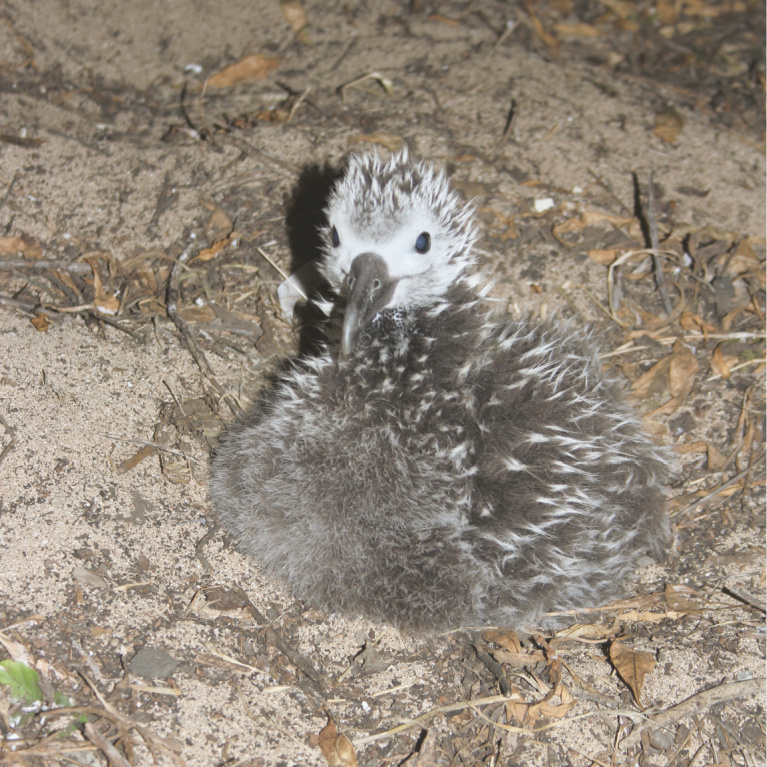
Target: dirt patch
x=116 y=159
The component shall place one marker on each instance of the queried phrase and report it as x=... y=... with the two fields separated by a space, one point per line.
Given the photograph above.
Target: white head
x=397 y=236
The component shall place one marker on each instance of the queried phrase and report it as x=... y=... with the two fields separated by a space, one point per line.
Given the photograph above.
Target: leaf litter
x=222 y=304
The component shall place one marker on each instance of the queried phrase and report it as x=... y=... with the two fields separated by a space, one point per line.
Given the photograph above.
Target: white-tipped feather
x=456 y=468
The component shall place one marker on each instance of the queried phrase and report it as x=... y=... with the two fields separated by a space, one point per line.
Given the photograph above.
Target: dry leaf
x=678 y=598
x=604 y=257
x=550 y=710
x=219 y=225
x=622 y=8
x=716 y=460
x=516 y=708
x=720 y=362
x=691 y=447
x=649 y=616
x=390 y=141
x=295 y=15
x=690 y=321
x=194 y=313
x=102 y=301
x=652 y=381
x=253 y=67
x=443 y=20
x=675 y=373
x=519 y=659
x=506 y=639
x=668 y=125
x=577 y=30
x=682 y=370
x=40 y=321
x=26 y=245
x=632 y=665
x=336 y=747
x=550 y=40
x=584 y=631
x=590 y=218
x=207 y=254
x=426 y=755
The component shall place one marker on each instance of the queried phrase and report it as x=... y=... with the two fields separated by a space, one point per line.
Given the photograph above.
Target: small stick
x=744 y=597
x=101 y=743
x=171 y=303
x=656 y=262
x=58 y=265
x=694 y=705
x=201 y=545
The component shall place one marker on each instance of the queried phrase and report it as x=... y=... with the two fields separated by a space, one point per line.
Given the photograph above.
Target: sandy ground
x=112 y=155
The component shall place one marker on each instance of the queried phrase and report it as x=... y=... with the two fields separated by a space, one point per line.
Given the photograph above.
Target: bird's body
x=444 y=467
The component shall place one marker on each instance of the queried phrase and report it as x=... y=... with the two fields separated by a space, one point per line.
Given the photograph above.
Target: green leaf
x=23 y=681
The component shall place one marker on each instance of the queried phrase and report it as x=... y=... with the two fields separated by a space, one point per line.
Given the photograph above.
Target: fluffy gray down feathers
x=455 y=468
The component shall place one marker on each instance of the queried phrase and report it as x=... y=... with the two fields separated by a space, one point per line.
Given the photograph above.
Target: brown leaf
x=550 y=40
x=336 y=747
x=548 y=708
x=690 y=321
x=682 y=370
x=622 y=8
x=208 y=254
x=26 y=245
x=516 y=708
x=720 y=363
x=295 y=15
x=40 y=321
x=427 y=755
x=604 y=257
x=675 y=373
x=744 y=260
x=653 y=380
x=219 y=225
x=506 y=639
x=390 y=141
x=691 y=447
x=519 y=659
x=253 y=67
x=193 y=313
x=590 y=218
x=632 y=665
x=576 y=30
x=668 y=125
x=716 y=460
x=678 y=598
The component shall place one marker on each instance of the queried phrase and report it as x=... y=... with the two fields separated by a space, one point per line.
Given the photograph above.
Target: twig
x=171 y=302
x=744 y=597
x=694 y=705
x=272 y=264
x=297 y=103
x=41 y=264
x=9 y=430
x=656 y=262
x=296 y=658
x=509 y=125
x=491 y=700
x=147 y=443
x=9 y=189
x=201 y=545
x=98 y=740
x=495 y=668
x=717 y=490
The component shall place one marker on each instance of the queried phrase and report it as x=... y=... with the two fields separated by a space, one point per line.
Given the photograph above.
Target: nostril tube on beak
x=370 y=287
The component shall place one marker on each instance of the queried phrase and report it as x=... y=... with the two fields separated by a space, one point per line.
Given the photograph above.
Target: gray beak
x=369 y=290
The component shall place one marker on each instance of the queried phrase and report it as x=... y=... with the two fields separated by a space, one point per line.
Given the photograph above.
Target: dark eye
x=335 y=240
x=423 y=243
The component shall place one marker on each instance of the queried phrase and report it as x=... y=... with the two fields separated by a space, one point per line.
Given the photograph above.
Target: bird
x=437 y=464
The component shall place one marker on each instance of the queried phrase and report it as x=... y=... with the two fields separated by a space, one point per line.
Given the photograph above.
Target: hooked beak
x=369 y=290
